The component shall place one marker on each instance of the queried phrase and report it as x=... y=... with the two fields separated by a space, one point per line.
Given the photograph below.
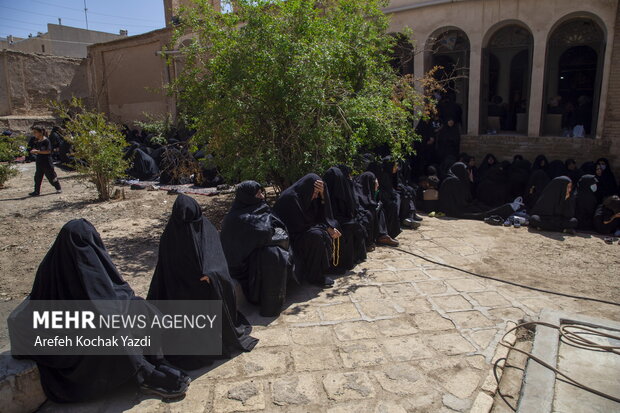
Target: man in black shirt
x=43 y=150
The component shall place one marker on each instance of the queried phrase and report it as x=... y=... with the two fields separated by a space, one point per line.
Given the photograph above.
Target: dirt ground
x=130 y=228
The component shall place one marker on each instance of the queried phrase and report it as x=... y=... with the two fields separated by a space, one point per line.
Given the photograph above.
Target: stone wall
x=29 y=81
x=611 y=129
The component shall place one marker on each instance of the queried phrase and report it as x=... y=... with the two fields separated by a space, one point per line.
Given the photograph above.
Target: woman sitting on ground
x=555 y=209
x=585 y=202
x=191 y=266
x=256 y=247
x=366 y=187
x=607 y=216
x=78 y=267
x=344 y=210
x=455 y=198
x=305 y=209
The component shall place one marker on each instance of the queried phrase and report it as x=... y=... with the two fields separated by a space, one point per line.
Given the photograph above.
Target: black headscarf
x=493 y=187
x=296 y=208
x=588 y=168
x=455 y=191
x=485 y=165
x=78 y=267
x=365 y=190
x=518 y=175
x=556 y=168
x=553 y=202
x=189 y=249
x=144 y=167
x=606 y=182
x=585 y=202
x=540 y=163
x=343 y=204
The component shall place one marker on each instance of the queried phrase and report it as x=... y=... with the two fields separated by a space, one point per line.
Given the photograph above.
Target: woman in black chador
x=455 y=198
x=365 y=188
x=555 y=209
x=255 y=243
x=78 y=267
x=607 y=185
x=344 y=209
x=305 y=209
x=585 y=202
x=191 y=266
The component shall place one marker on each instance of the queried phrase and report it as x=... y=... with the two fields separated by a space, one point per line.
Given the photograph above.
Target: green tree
x=281 y=88
x=9 y=150
x=97 y=146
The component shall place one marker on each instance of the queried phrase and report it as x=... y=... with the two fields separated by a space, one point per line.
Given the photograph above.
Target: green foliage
x=9 y=150
x=161 y=127
x=97 y=146
x=279 y=88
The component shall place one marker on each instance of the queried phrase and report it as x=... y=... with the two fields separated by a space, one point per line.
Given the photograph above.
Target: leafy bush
x=97 y=146
x=9 y=150
x=160 y=127
x=281 y=88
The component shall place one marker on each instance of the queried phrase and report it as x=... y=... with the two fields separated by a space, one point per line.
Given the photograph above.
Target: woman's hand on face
x=318 y=189
x=334 y=233
x=260 y=194
x=205 y=278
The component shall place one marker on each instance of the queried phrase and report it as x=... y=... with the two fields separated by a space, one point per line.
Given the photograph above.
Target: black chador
x=256 y=246
x=344 y=209
x=143 y=166
x=585 y=202
x=555 y=211
x=78 y=267
x=455 y=198
x=307 y=221
x=535 y=187
x=191 y=266
x=365 y=194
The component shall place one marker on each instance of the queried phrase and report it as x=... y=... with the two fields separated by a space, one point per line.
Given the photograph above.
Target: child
x=43 y=150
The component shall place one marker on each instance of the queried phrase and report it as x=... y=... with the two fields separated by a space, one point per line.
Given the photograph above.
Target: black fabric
x=540 y=162
x=45 y=169
x=389 y=197
x=426 y=154
x=588 y=168
x=448 y=141
x=535 y=186
x=553 y=223
x=261 y=268
x=575 y=173
x=556 y=168
x=78 y=267
x=518 y=176
x=189 y=249
x=603 y=222
x=364 y=190
x=607 y=184
x=143 y=166
x=487 y=163
x=553 y=202
x=307 y=221
x=585 y=202
x=493 y=189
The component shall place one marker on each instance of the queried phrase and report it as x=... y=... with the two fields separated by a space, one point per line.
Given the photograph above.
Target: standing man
x=43 y=150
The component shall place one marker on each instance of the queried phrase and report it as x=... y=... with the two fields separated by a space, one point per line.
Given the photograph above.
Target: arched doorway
x=506 y=75
x=574 y=69
x=448 y=51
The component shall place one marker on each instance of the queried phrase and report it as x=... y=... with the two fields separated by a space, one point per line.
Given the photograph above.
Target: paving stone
x=196 y=400
x=400 y=264
x=296 y=390
x=385 y=277
x=313 y=358
x=271 y=337
x=450 y=343
x=300 y=314
x=348 y=386
x=348 y=407
x=261 y=362
x=477 y=362
x=437 y=365
x=240 y=396
x=402 y=379
x=360 y=354
x=462 y=383
x=482 y=404
x=366 y=292
x=312 y=335
x=432 y=321
x=470 y=319
x=378 y=308
x=426 y=399
x=413 y=306
x=413 y=275
x=224 y=369
x=432 y=287
x=452 y=303
x=467 y=284
x=401 y=290
x=483 y=337
x=339 y=312
x=355 y=330
x=393 y=327
x=507 y=313
x=443 y=273
x=489 y=299
x=406 y=348
x=389 y=407
x=455 y=403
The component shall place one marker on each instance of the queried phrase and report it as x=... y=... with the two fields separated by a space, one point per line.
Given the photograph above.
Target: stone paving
x=398 y=334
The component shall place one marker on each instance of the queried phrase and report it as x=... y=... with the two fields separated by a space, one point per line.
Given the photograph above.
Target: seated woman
x=78 y=267
x=535 y=187
x=143 y=166
x=607 y=216
x=488 y=162
x=607 y=185
x=255 y=244
x=344 y=210
x=366 y=187
x=305 y=209
x=585 y=202
x=191 y=266
x=555 y=209
x=493 y=189
x=455 y=198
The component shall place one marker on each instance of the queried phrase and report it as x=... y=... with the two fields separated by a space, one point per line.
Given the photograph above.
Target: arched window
x=506 y=75
x=573 y=75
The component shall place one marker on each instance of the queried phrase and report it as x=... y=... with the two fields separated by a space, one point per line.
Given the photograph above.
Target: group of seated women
x=556 y=196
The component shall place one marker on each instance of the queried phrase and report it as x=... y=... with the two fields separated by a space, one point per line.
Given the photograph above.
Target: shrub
x=9 y=150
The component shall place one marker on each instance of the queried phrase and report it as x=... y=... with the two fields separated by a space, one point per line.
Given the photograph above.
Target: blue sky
x=21 y=17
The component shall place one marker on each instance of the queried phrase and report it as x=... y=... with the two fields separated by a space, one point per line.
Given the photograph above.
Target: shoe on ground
x=387 y=240
x=417 y=218
x=34 y=193
x=410 y=223
x=163 y=392
x=370 y=248
x=328 y=283
x=569 y=231
x=59 y=191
